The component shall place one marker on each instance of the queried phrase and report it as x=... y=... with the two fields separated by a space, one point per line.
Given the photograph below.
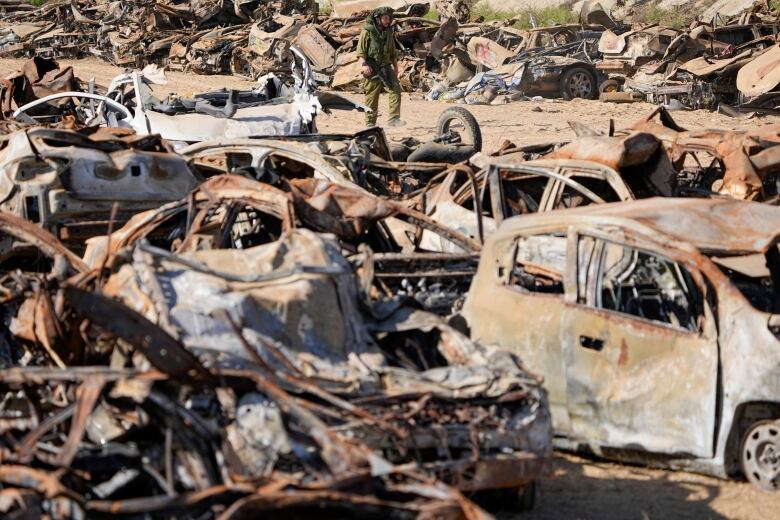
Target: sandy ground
x=579 y=488
x=582 y=489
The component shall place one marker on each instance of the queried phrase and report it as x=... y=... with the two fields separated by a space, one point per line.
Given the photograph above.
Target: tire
x=759 y=455
x=463 y=118
x=439 y=153
x=398 y=152
x=610 y=85
x=578 y=82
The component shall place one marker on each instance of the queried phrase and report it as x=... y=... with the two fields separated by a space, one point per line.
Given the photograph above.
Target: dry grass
x=544 y=17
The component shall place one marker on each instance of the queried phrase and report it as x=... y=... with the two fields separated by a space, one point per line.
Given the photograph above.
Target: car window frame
x=592 y=284
x=504 y=269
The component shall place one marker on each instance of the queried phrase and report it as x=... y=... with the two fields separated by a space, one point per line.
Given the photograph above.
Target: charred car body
x=69 y=183
x=274 y=108
x=261 y=345
x=659 y=342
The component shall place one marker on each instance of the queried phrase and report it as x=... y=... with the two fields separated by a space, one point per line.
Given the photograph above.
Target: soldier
x=376 y=50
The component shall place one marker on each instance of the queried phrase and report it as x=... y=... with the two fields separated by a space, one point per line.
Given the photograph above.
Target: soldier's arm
x=362 y=47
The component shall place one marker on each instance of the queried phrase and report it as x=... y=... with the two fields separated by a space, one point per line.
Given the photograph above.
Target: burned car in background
x=280 y=105
x=562 y=76
x=477 y=203
x=656 y=325
x=562 y=61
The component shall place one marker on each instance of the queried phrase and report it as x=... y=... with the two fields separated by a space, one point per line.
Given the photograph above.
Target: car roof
x=717 y=226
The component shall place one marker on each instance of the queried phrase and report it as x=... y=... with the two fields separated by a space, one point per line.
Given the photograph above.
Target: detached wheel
x=460 y=121
x=578 y=82
x=610 y=85
x=760 y=455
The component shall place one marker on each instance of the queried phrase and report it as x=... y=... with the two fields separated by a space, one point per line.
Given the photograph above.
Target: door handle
x=591 y=343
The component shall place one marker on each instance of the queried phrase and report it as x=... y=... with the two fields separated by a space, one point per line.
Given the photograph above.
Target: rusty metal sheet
x=320 y=53
x=760 y=75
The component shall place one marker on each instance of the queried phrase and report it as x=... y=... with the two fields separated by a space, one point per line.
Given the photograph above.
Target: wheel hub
x=761 y=455
x=580 y=85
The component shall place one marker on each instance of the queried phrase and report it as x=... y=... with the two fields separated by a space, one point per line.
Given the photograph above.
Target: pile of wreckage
x=719 y=63
x=453 y=59
x=254 y=38
x=709 y=65
x=228 y=328
x=213 y=311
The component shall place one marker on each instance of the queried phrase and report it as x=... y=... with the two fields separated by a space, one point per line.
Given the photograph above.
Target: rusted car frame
x=507 y=187
x=738 y=163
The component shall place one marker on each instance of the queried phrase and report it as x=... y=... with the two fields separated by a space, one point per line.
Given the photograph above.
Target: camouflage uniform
x=379 y=45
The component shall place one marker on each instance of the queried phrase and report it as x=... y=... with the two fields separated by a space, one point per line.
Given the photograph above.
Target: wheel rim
x=580 y=84
x=761 y=455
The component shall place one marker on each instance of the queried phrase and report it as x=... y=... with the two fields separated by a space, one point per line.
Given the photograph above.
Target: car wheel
x=760 y=455
x=578 y=82
x=462 y=122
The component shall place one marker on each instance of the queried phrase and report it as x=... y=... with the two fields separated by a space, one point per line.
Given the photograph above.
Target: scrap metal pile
x=255 y=38
x=709 y=64
x=219 y=323
x=223 y=329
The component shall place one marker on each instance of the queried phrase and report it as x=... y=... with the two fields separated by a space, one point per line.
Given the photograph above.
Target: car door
x=520 y=307
x=640 y=352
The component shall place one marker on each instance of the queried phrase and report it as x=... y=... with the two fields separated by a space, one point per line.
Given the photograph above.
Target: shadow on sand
x=606 y=492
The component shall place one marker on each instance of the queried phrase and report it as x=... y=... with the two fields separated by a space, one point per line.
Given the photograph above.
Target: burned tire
x=579 y=82
x=439 y=153
x=611 y=85
x=461 y=121
x=760 y=455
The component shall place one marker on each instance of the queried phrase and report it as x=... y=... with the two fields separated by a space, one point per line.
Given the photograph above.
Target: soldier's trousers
x=373 y=88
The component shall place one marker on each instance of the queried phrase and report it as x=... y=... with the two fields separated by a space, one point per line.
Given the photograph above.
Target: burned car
x=78 y=186
x=562 y=76
x=560 y=61
x=232 y=363
x=295 y=303
x=628 y=51
x=275 y=107
x=742 y=164
x=655 y=323
x=365 y=159
x=477 y=203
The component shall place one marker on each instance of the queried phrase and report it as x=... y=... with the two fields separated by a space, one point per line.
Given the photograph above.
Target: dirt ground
x=583 y=489
x=579 y=489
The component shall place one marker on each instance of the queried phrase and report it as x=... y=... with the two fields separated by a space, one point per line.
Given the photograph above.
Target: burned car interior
x=638 y=283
